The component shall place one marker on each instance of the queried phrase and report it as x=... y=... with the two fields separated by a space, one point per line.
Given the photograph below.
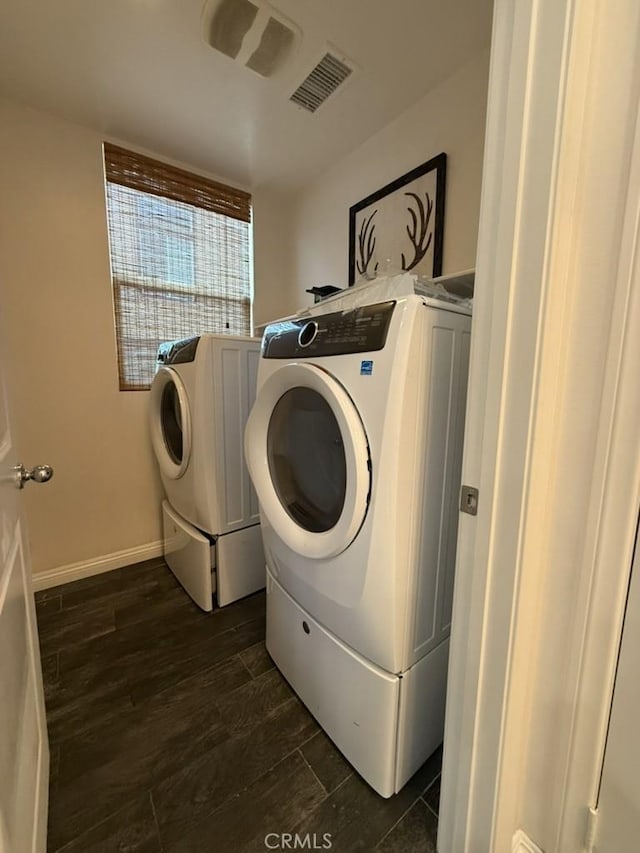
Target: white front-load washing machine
x=354 y=445
x=200 y=398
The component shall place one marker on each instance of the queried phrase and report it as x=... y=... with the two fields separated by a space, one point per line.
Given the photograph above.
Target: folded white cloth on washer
x=386 y=287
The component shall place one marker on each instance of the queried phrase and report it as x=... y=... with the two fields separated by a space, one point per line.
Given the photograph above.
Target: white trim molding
x=96 y=565
x=553 y=421
x=528 y=59
x=523 y=844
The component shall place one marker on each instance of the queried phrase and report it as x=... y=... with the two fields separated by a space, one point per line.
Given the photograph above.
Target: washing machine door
x=170 y=423
x=308 y=457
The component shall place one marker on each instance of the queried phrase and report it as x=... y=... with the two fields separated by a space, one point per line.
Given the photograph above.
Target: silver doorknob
x=39 y=474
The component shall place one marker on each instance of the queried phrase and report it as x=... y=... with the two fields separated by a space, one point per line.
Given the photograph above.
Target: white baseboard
x=96 y=565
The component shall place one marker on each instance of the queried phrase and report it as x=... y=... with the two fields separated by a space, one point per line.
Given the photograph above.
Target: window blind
x=180 y=248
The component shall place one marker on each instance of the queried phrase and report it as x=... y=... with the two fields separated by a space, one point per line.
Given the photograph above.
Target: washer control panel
x=178 y=352
x=357 y=330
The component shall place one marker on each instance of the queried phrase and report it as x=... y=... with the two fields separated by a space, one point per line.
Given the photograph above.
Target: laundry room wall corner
x=273 y=263
x=103 y=506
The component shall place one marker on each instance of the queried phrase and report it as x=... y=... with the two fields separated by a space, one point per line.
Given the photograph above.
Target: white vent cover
x=322 y=81
x=251 y=32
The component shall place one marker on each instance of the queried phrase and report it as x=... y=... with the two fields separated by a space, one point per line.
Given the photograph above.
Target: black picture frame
x=425 y=221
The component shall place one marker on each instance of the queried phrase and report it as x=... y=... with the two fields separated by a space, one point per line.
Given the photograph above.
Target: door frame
x=553 y=419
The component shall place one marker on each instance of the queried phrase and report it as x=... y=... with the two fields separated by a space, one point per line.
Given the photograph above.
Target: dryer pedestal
x=233 y=567
x=386 y=725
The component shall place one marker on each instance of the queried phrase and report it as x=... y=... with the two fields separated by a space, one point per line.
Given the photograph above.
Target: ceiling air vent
x=252 y=32
x=324 y=79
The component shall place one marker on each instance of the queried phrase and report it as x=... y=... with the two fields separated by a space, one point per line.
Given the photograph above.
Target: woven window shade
x=180 y=259
x=151 y=176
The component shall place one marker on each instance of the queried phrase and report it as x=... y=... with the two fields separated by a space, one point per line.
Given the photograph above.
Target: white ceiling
x=140 y=71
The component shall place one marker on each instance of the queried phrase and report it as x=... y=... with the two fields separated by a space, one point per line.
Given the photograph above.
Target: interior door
x=24 y=747
x=619 y=799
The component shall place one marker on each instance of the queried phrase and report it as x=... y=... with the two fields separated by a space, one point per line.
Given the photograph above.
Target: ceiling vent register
x=328 y=75
x=251 y=32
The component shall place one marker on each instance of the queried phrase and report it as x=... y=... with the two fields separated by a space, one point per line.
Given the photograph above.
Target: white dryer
x=200 y=399
x=354 y=445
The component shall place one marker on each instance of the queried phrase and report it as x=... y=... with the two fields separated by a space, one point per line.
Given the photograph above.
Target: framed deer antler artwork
x=401 y=225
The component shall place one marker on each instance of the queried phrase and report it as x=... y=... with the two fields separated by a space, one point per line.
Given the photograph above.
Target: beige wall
x=450 y=118
x=59 y=343
x=272 y=256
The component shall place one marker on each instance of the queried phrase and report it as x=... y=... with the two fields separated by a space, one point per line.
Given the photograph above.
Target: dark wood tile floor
x=171 y=730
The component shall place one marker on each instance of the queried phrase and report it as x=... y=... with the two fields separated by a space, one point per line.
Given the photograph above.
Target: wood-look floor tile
x=43 y=594
x=189 y=705
x=416 y=832
x=143 y=731
x=50 y=671
x=156 y=569
x=357 y=818
x=432 y=796
x=115 y=596
x=326 y=761
x=132 y=829
x=275 y=802
x=246 y=610
x=93 y=581
x=221 y=619
x=97 y=583
x=62 y=629
x=430 y=770
x=83 y=705
x=118 y=587
x=54 y=766
x=103 y=771
x=211 y=683
x=139 y=646
x=112 y=578
x=133 y=665
x=86 y=696
x=246 y=707
x=257 y=660
x=289 y=803
x=174 y=664
x=140 y=650
x=193 y=793
x=94 y=655
x=115 y=740
x=46 y=606
x=155 y=603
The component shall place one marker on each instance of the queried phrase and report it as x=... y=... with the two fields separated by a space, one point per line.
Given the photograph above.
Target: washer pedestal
x=233 y=567
x=240 y=560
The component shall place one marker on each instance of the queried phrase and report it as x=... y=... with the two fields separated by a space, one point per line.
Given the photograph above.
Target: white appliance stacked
x=201 y=395
x=354 y=445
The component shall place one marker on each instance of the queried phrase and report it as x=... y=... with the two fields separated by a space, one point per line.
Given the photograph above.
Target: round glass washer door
x=170 y=423
x=308 y=456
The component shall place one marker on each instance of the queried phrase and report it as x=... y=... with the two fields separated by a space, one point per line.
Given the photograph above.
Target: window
x=180 y=249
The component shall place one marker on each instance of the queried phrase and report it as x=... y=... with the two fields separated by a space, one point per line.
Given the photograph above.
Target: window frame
x=169 y=184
